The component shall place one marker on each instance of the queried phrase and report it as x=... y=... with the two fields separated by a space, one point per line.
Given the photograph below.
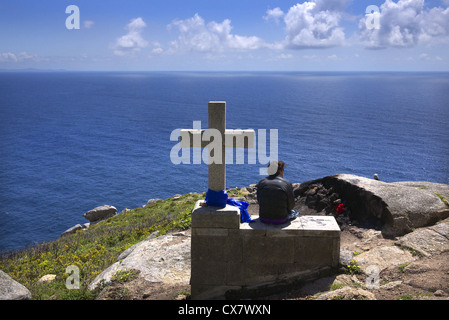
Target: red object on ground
x=339 y=208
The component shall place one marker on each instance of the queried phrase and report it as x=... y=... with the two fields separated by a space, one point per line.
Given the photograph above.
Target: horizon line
x=223 y=71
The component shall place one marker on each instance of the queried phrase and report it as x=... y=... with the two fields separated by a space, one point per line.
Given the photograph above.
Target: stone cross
x=222 y=138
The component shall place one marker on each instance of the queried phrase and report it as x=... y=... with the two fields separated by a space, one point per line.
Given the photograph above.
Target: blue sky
x=226 y=35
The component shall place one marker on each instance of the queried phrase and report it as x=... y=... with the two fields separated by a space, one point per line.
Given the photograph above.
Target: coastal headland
x=394 y=245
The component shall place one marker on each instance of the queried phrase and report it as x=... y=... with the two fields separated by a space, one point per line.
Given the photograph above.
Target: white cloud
x=132 y=41
x=281 y=57
x=406 y=23
x=8 y=57
x=285 y=56
x=427 y=57
x=88 y=24
x=196 y=35
x=332 y=5
x=436 y=23
x=20 y=57
x=274 y=14
x=157 y=50
x=314 y=24
x=245 y=43
x=312 y=57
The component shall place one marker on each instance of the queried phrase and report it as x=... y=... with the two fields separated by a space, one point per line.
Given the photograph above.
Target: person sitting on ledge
x=275 y=196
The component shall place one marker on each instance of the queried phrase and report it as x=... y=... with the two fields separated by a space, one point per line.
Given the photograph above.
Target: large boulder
x=11 y=289
x=383 y=257
x=71 y=230
x=397 y=207
x=100 y=213
x=346 y=293
x=428 y=241
x=164 y=260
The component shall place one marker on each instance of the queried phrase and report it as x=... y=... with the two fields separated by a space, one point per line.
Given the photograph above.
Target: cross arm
x=193 y=138
x=233 y=138
x=239 y=138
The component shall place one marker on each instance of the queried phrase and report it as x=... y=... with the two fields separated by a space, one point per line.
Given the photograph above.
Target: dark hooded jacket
x=275 y=197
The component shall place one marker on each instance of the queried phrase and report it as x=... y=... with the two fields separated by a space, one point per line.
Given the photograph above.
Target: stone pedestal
x=229 y=258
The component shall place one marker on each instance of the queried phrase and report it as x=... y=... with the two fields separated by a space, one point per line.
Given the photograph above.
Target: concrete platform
x=213 y=217
x=324 y=225
x=227 y=260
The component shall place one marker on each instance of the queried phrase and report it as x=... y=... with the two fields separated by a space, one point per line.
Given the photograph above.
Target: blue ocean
x=71 y=141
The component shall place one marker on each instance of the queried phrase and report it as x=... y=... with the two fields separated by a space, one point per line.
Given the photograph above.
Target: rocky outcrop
x=100 y=213
x=94 y=216
x=71 y=230
x=164 y=264
x=383 y=257
x=387 y=269
x=47 y=278
x=347 y=293
x=11 y=289
x=404 y=210
x=427 y=241
x=151 y=201
x=164 y=260
x=397 y=208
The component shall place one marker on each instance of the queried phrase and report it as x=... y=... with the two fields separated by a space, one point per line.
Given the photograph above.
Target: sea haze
x=74 y=141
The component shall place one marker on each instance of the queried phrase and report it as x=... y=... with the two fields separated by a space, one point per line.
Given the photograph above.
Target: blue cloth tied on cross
x=216 y=198
x=220 y=199
x=242 y=205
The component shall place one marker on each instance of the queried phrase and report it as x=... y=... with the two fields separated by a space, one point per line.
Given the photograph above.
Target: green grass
x=353 y=268
x=336 y=286
x=442 y=198
x=94 y=249
x=125 y=275
x=402 y=267
x=411 y=296
x=412 y=251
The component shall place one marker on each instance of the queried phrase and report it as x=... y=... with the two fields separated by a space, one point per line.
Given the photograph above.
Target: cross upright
x=222 y=138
